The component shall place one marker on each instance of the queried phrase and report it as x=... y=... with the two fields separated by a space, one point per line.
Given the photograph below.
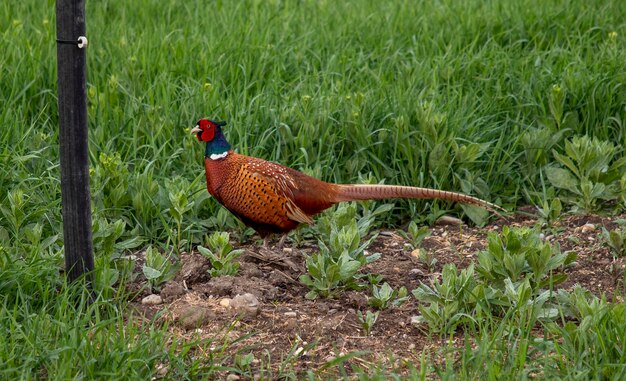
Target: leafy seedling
x=385 y=296
x=221 y=254
x=159 y=268
x=415 y=234
x=367 y=320
x=616 y=241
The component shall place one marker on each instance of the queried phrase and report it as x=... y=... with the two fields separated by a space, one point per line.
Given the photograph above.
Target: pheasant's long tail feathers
x=353 y=192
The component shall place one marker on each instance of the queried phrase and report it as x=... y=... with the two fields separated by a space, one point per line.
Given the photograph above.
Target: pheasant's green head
x=209 y=131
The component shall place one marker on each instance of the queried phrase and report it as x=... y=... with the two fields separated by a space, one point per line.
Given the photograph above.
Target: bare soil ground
x=285 y=321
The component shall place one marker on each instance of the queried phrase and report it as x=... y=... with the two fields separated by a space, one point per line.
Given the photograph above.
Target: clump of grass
x=55 y=330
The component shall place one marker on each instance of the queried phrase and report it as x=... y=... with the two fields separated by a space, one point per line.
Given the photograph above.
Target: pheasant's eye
x=208 y=133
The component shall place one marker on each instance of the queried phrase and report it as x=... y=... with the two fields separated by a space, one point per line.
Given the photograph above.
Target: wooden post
x=72 y=99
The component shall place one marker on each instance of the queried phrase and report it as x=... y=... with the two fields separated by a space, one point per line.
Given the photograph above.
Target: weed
x=159 y=268
x=590 y=172
x=221 y=254
x=519 y=254
x=452 y=301
x=367 y=320
x=549 y=212
x=385 y=296
x=427 y=258
x=337 y=263
x=415 y=235
x=616 y=241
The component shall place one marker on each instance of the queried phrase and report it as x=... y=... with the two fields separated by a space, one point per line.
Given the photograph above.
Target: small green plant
x=110 y=242
x=326 y=275
x=537 y=144
x=221 y=254
x=520 y=270
x=580 y=303
x=451 y=301
x=34 y=242
x=556 y=103
x=415 y=234
x=427 y=258
x=179 y=206
x=338 y=262
x=385 y=296
x=616 y=241
x=159 y=268
x=549 y=212
x=518 y=254
x=110 y=239
x=588 y=172
x=367 y=321
x=244 y=361
x=110 y=179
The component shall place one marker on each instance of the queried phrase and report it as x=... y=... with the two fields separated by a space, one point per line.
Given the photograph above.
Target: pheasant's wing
x=262 y=196
x=281 y=186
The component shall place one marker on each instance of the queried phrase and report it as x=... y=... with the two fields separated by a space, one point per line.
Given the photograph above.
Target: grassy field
x=516 y=102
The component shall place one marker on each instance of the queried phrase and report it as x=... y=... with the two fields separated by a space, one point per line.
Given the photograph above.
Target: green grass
x=463 y=96
x=51 y=333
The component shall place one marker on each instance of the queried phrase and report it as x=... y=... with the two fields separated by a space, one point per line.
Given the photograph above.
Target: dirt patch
x=286 y=320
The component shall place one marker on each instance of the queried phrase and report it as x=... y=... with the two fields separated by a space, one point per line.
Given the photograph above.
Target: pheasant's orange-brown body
x=266 y=196
x=272 y=198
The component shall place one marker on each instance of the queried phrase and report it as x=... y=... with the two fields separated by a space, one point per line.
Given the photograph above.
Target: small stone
x=152 y=300
x=416 y=272
x=246 y=304
x=161 y=369
x=291 y=314
x=332 y=311
x=449 y=220
x=225 y=302
x=193 y=317
x=287 y=250
x=411 y=346
x=232 y=377
x=588 y=228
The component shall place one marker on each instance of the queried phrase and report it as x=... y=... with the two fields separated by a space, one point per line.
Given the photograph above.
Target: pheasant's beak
x=196 y=129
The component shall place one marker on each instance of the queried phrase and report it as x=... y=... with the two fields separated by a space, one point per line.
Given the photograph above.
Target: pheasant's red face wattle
x=207 y=130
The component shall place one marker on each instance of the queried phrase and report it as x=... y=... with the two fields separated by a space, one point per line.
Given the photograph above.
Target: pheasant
x=272 y=198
